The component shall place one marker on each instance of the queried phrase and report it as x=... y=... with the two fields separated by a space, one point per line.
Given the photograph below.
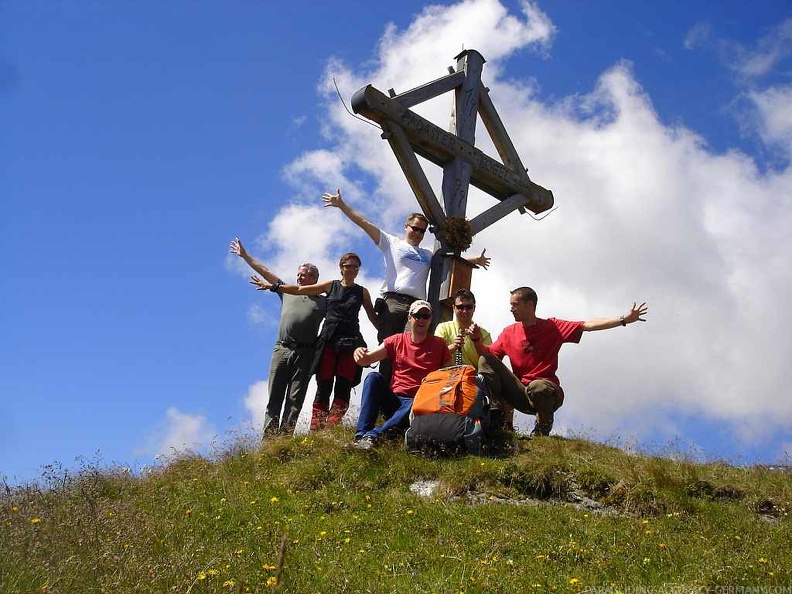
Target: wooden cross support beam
x=441 y=147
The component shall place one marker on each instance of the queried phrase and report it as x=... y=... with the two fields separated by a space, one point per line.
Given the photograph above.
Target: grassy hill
x=309 y=514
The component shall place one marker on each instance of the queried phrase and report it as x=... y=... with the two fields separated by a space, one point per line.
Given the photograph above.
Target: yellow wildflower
x=202 y=576
x=761 y=560
x=272 y=581
x=229 y=584
x=274 y=500
x=574 y=581
x=35 y=520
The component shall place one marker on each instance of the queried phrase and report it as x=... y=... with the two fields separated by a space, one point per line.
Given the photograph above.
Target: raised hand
x=333 y=199
x=637 y=313
x=482 y=260
x=260 y=283
x=237 y=248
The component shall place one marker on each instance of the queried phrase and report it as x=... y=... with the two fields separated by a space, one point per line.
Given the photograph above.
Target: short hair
x=526 y=295
x=464 y=294
x=416 y=215
x=347 y=257
x=311 y=269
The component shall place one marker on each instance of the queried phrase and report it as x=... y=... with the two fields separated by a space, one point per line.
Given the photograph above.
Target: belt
x=400 y=297
x=290 y=344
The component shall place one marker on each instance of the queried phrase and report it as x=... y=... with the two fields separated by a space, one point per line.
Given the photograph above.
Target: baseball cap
x=417 y=306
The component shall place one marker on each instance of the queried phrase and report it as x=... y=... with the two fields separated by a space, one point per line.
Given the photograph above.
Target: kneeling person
x=413 y=354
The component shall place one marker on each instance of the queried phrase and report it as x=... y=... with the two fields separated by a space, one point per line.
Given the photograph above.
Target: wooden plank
x=497 y=212
x=430 y=90
x=440 y=147
x=497 y=131
x=457 y=173
x=414 y=173
x=466 y=97
x=456 y=182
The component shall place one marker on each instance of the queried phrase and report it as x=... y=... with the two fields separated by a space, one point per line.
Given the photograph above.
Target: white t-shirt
x=406 y=266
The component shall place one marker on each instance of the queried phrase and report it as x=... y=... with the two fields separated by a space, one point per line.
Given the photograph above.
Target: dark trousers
x=392 y=320
x=541 y=397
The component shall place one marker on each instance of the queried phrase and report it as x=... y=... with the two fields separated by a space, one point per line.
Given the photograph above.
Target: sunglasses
x=420 y=230
x=465 y=307
x=421 y=316
x=352 y=266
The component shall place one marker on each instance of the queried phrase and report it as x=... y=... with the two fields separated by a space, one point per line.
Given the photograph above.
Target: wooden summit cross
x=463 y=164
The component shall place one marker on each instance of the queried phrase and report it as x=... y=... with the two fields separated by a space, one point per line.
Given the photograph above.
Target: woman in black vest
x=334 y=364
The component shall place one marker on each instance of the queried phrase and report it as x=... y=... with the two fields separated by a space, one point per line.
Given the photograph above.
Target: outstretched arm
x=238 y=249
x=262 y=285
x=335 y=200
x=364 y=357
x=369 y=307
x=636 y=314
x=482 y=260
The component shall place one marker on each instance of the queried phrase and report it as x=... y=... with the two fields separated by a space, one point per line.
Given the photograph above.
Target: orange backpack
x=450 y=412
x=447 y=390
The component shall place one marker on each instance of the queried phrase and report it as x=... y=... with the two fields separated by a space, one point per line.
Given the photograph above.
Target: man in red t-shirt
x=532 y=345
x=413 y=354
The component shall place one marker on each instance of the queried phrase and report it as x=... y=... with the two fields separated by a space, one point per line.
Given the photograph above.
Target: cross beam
x=409 y=135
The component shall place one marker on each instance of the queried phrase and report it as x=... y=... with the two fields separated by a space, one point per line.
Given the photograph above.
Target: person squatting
x=407 y=351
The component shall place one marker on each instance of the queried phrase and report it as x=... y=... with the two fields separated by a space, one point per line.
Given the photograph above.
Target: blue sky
x=138 y=139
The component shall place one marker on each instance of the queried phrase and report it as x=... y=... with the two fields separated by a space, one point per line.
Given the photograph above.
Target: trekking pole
x=458 y=354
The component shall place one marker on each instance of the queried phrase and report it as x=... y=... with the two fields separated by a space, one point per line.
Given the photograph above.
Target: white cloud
x=179 y=432
x=260 y=315
x=647 y=212
x=774 y=109
x=256 y=402
x=697 y=35
x=770 y=50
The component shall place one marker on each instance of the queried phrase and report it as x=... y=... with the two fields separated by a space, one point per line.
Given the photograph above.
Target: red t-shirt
x=412 y=362
x=533 y=350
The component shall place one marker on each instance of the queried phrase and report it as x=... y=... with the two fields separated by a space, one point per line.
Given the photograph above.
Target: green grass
x=557 y=515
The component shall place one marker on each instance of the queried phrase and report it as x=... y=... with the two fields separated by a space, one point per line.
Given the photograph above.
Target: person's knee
x=544 y=395
x=486 y=363
x=372 y=379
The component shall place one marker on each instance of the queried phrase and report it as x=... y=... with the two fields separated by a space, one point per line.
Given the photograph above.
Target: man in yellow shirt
x=464 y=307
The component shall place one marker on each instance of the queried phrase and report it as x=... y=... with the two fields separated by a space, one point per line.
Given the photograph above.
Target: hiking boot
x=366 y=443
x=541 y=429
x=337 y=412
x=497 y=419
x=271 y=428
x=318 y=418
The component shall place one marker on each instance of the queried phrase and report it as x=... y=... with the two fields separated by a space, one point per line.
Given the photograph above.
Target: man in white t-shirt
x=407 y=267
